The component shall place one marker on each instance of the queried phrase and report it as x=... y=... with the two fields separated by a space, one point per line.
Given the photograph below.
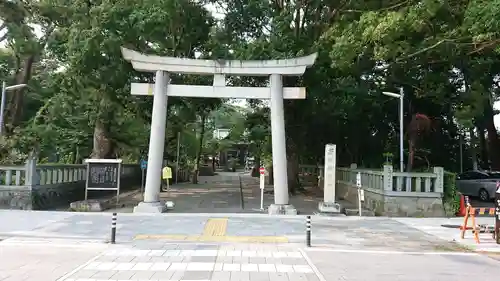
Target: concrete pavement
x=402 y=266
x=68 y=246
x=221 y=193
x=340 y=232
x=51 y=260
x=446 y=229
x=21 y=260
x=235 y=244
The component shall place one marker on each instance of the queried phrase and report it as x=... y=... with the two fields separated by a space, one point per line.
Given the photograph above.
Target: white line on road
x=65 y=276
x=313 y=267
x=54 y=244
x=384 y=252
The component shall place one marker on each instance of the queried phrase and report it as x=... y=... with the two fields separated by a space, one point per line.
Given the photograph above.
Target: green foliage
x=444 y=54
x=93 y=86
x=451 y=197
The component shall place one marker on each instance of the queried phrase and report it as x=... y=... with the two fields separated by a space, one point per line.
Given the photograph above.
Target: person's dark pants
x=164 y=184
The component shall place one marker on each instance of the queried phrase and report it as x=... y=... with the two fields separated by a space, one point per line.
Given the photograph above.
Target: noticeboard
x=103 y=174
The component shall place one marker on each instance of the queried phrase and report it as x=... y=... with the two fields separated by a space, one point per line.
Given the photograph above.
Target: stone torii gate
x=162 y=88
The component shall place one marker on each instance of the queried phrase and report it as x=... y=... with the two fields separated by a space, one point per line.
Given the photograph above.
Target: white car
x=481 y=184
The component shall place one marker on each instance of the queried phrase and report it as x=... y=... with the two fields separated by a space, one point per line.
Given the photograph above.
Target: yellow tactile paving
x=208 y=238
x=214 y=231
x=215 y=227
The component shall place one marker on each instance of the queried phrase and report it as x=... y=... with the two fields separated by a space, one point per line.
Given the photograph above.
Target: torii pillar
x=162 y=88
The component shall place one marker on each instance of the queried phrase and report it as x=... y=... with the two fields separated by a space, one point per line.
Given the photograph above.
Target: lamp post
x=2 y=102
x=178 y=155
x=400 y=96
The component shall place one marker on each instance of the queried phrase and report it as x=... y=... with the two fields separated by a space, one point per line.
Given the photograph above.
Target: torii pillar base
x=277 y=209
x=150 y=207
x=330 y=208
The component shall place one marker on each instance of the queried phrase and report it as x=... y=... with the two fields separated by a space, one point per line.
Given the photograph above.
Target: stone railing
x=48 y=186
x=387 y=192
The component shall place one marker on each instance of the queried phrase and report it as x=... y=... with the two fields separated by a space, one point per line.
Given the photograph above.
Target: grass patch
x=452 y=247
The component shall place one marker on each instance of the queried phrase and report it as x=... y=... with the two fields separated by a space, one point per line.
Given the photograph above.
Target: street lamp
x=2 y=103
x=400 y=96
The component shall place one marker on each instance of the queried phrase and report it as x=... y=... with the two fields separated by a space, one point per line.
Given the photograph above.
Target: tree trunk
x=200 y=148
x=103 y=146
x=494 y=142
x=473 y=150
x=411 y=154
x=483 y=148
x=16 y=103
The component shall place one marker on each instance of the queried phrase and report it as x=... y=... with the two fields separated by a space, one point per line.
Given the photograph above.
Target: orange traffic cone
x=462 y=209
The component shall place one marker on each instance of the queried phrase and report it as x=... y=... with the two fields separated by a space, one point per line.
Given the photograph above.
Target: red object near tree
x=420 y=125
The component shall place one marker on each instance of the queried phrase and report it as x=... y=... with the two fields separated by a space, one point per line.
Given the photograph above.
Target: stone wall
x=18 y=198
x=45 y=197
x=392 y=203
x=41 y=197
x=51 y=187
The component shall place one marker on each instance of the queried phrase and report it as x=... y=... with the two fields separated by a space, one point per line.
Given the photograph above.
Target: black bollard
x=113 y=229
x=308 y=231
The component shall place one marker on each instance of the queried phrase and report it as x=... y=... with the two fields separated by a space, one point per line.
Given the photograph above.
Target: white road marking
x=383 y=252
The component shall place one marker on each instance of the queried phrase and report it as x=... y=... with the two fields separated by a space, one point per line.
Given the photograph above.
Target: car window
x=472 y=175
x=463 y=176
x=494 y=175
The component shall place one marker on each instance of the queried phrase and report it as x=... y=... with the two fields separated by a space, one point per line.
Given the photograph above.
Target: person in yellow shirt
x=166 y=175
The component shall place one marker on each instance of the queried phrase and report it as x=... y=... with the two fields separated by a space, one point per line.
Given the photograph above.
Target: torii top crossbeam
x=150 y=63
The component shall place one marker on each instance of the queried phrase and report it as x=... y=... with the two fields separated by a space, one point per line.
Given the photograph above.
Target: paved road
x=478 y=203
x=22 y=260
x=346 y=232
x=222 y=194
x=155 y=260
x=65 y=246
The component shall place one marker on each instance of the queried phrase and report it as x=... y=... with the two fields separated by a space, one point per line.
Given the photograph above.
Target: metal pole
x=262 y=185
x=308 y=231
x=2 y=106
x=461 y=154
x=242 y=197
x=401 y=131
x=142 y=183
x=360 y=204
x=360 y=193
x=497 y=213
x=178 y=154
x=118 y=183
x=113 y=229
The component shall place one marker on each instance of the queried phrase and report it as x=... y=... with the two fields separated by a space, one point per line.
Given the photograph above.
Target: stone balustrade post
x=388 y=177
x=439 y=183
x=31 y=176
